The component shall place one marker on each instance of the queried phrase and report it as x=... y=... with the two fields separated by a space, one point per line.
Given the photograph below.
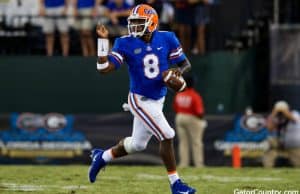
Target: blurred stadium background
x=53 y=110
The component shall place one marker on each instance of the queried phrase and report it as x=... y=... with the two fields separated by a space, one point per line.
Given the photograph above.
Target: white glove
x=126 y=107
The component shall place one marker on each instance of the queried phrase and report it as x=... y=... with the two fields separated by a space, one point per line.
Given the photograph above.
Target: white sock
x=107 y=155
x=173 y=177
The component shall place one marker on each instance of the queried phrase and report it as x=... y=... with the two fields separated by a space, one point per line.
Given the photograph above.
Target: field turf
x=72 y=179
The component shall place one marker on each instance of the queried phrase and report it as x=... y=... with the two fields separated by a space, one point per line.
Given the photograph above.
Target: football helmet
x=142 y=19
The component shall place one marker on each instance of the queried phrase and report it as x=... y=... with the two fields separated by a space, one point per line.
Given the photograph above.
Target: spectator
x=167 y=16
x=285 y=124
x=184 y=20
x=84 y=10
x=201 y=18
x=164 y=9
x=55 y=12
x=18 y=12
x=289 y=11
x=118 y=11
x=190 y=124
x=156 y=4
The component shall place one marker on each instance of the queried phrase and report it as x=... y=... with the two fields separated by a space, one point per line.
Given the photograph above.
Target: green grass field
x=144 y=180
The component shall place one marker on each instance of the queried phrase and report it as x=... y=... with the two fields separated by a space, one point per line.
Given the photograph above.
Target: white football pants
x=148 y=120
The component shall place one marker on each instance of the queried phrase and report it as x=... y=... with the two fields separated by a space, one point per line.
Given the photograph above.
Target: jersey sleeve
x=116 y=56
x=176 y=54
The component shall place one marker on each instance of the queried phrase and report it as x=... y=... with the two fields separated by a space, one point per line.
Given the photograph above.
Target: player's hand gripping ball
x=174 y=80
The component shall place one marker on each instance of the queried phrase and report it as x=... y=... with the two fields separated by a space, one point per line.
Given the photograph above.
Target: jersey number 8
x=151 y=66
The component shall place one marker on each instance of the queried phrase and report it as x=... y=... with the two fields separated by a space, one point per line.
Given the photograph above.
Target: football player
x=147 y=52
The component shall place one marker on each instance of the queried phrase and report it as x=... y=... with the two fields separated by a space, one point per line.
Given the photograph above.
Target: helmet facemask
x=138 y=26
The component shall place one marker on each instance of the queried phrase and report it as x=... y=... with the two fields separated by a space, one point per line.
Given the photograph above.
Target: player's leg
x=150 y=112
x=137 y=142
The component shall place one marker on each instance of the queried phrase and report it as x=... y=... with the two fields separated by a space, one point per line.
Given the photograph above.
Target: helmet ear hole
x=152 y=25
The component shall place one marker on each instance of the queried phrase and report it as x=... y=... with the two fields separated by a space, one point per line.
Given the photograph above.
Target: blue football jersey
x=147 y=61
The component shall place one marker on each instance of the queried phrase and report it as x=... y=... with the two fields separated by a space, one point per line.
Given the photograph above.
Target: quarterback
x=148 y=53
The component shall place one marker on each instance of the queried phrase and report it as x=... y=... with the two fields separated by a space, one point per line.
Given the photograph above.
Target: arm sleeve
x=176 y=54
x=116 y=56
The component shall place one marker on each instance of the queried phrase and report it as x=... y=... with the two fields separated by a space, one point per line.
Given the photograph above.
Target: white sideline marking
x=25 y=187
x=239 y=179
x=19 y=187
x=211 y=178
x=70 y=187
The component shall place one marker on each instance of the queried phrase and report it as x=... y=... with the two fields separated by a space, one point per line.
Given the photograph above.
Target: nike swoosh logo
x=95 y=158
x=159 y=48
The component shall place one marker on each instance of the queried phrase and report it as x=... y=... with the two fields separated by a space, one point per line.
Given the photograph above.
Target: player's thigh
x=164 y=126
x=140 y=133
x=150 y=113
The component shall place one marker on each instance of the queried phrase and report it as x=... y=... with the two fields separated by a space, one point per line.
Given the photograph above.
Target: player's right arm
x=103 y=64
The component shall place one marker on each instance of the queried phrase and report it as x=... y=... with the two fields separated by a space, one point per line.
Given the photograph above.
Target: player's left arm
x=177 y=56
x=184 y=66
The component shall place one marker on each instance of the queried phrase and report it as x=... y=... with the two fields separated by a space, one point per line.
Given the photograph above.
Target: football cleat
x=97 y=164
x=181 y=188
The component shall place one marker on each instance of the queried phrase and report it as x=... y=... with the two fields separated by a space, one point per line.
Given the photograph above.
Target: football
x=173 y=81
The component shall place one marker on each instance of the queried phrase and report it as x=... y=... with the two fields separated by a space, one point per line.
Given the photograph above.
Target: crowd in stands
x=23 y=21
x=41 y=23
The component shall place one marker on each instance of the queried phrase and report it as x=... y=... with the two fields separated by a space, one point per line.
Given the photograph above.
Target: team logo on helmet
x=142 y=19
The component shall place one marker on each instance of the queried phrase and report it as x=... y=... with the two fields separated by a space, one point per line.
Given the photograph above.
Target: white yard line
x=239 y=179
x=30 y=187
x=145 y=176
x=20 y=187
x=211 y=178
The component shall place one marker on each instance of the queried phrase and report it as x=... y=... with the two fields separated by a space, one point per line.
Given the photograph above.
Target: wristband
x=103 y=47
x=101 y=66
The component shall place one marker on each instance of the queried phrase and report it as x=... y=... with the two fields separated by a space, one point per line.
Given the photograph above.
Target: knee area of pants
x=139 y=146
x=132 y=146
x=171 y=134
